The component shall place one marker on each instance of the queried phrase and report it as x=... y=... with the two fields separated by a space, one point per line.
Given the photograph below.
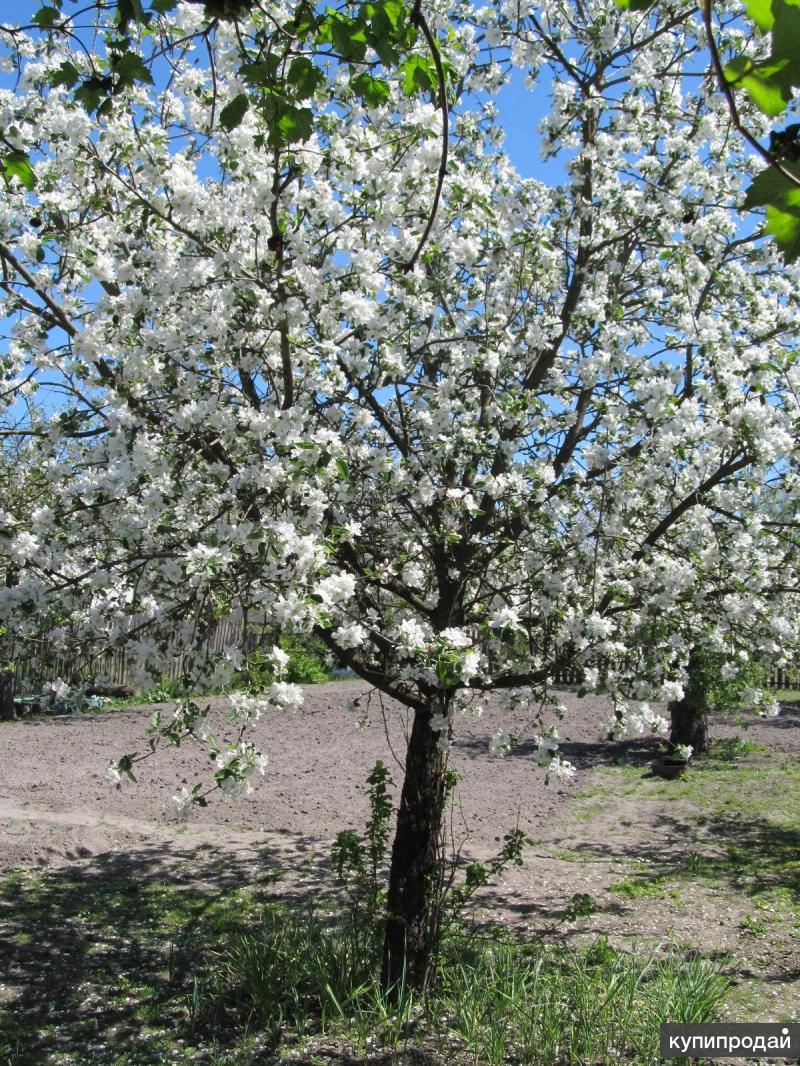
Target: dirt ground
x=57 y=805
x=611 y=834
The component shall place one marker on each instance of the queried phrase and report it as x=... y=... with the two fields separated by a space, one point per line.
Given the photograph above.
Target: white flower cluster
x=182 y=801
x=286 y=694
x=560 y=769
x=241 y=766
x=501 y=743
x=56 y=690
x=634 y=722
x=546 y=745
x=245 y=708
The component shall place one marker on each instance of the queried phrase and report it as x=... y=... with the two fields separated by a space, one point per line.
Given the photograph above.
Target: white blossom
x=183 y=802
x=286 y=694
x=501 y=743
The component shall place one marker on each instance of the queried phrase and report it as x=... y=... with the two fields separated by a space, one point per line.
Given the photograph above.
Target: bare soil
x=57 y=806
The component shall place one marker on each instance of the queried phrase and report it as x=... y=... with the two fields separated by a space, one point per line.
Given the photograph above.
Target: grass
x=732 y=749
x=127 y=967
x=725 y=838
x=644 y=885
x=786 y=695
x=745 y=799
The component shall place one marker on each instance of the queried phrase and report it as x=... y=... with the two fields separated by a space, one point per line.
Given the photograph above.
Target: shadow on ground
x=98 y=958
x=751 y=854
x=585 y=755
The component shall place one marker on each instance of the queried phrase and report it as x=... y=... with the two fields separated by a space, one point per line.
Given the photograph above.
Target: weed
x=360 y=863
x=732 y=749
x=753 y=926
x=634 y=888
x=580 y=905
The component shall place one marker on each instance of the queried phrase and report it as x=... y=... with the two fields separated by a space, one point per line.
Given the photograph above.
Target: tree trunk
x=7 y=710
x=688 y=725
x=689 y=715
x=412 y=926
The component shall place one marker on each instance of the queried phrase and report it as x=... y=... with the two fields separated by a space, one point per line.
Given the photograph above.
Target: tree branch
x=418 y=19
x=706 y=7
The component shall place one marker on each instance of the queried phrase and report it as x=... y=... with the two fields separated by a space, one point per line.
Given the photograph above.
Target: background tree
x=521 y=454
x=730 y=659
x=22 y=489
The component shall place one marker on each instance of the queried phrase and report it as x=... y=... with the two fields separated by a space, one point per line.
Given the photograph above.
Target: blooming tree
x=546 y=445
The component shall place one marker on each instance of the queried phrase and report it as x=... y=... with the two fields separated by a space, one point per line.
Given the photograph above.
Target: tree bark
x=688 y=725
x=7 y=710
x=412 y=925
x=689 y=715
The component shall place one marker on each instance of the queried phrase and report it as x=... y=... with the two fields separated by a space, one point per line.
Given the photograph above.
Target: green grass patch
x=740 y=812
x=728 y=832
x=786 y=695
x=497 y=998
x=644 y=885
x=107 y=965
x=733 y=749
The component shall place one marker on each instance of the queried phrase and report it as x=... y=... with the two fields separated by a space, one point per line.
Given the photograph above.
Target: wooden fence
x=43 y=661
x=33 y=669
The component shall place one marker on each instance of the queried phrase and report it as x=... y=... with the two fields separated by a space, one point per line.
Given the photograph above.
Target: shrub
x=309 y=664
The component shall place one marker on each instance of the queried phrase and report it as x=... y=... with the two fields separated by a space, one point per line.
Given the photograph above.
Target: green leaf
x=634 y=5
x=229 y=10
x=373 y=91
x=304 y=21
x=66 y=75
x=294 y=125
x=760 y=11
x=348 y=37
x=418 y=73
x=130 y=11
x=771 y=186
x=767 y=84
x=786 y=32
x=388 y=32
x=46 y=17
x=130 y=68
x=161 y=7
x=17 y=165
x=93 y=91
x=784 y=226
x=305 y=76
x=234 y=111
x=261 y=73
x=392 y=9
x=781 y=198
x=125 y=765
x=343 y=470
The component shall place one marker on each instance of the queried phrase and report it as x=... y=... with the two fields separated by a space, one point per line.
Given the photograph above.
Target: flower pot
x=668 y=768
